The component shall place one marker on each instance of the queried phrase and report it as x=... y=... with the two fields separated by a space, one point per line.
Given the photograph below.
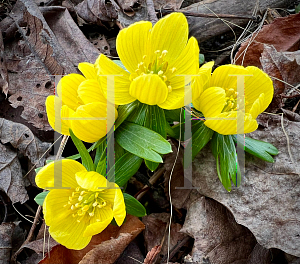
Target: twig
x=152 y=180
x=186 y=13
x=30 y=235
x=151 y=11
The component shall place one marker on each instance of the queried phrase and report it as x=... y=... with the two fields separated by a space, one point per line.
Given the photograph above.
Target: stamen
x=173 y=69
x=144 y=57
x=85 y=208
x=170 y=88
x=165 y=78
x=80 y=198
x=160 y=73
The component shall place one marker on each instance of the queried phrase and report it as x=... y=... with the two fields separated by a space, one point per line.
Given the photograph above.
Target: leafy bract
x=142 y=141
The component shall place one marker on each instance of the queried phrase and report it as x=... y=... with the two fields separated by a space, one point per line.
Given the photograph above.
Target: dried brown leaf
x=3 y=69
x=268 y=201
x=96 y=11
x=152 y=255
x=218 y=238
x=11 y=180
x=156 y=232
x=21 y=138
x=167 y=4
x=283 y=66
x=51 y=44
x=6 y=231
x=283 y=34
x=104 y=248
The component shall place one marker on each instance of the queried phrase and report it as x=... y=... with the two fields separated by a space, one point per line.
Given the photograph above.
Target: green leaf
x=124 y=111
x=94 y=146
x=99 y=151
x=224 y=151
x=87 y=161
x=201 y=58
x=124 y=168
x=174 y=115
x=151 y=165
x=138 y=115
x=257 y=148
x=142 y=141
x=155 y=120
x=201 y=135
x=133 y=206
x=297 y=9
x=39 y=199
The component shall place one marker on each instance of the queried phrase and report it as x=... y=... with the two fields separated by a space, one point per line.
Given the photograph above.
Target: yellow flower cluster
x=157 y=60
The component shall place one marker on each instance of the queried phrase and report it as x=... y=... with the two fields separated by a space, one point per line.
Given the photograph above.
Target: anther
x=95 y=204
x=170 y=88
x=164 y=52
x=173 y=69
x=160 y=73
x=165 y=78
x=77 y=205
x=91 y=214
x=80 y=198
x=144 y=57
x=72 y=207
x=157 y=51
x=82 y=193
x=96 y=195
x=77 y=189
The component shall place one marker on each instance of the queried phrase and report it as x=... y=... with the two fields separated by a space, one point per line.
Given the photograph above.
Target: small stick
x=187 y=13
x=152 y=180
x=176 y=248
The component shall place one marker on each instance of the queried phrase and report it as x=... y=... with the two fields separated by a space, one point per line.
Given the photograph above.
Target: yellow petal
x=211 y=102
x=63 y=170
x=227 y=124
x=257 y=84
x=169 y=33
x=66 y=230
x=53 y=207
x=119 y=210
x=221 y=76
x=202 y=81
x=67 y=90
x=88 y=70
x=186 y=64
x=176 y=99
x=149 y=89
x=258 y=106
x=102 y=218
x=55 y=109
x=91 y=180
x=89 y=122
x=121 y=94
x=132 y=44
x=90 y=91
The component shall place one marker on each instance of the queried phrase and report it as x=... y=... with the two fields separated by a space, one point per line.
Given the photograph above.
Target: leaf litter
x=44 y=50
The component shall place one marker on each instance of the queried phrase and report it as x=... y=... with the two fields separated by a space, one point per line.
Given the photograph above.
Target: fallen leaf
x=268 y=201
x=96 y=11
x=100 y=43
x=284 y=66
x=6 y=230
x=203 y=28
x=167 y=4
x=218 y=238
x=283 y=34
x=11 y=179
x=155 y=232
x=152 y=255
x=132 y=254
x=135 y=15
x=50 y=44
x=104 y=248
x=3 y=69
x=21 y=138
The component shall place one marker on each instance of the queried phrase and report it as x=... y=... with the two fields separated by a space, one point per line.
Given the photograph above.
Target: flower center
x=83 y=202
x=232 y=101
x=158 y=66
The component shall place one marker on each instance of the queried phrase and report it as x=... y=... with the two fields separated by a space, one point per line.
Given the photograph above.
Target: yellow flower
x=216 y=97
x=156 y=59
x=80 y=105
x=84 y=209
